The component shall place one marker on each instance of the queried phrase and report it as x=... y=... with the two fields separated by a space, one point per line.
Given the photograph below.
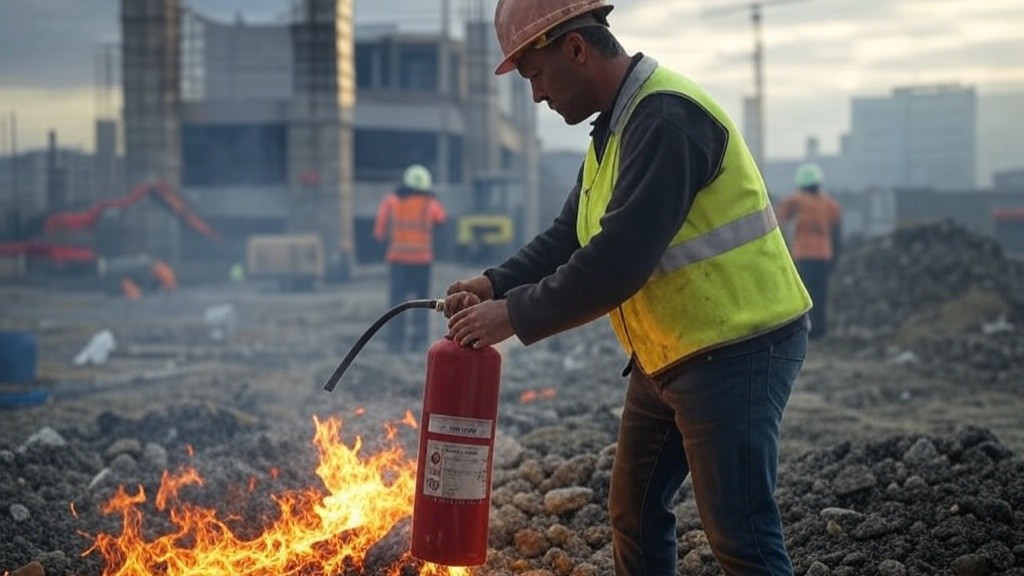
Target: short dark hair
x=602 y=38
x=598 y=37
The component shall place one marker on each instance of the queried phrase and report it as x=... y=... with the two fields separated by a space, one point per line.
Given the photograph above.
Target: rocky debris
x=906 y=504
x=889 y=280
x=933 y=295
x=909 y=504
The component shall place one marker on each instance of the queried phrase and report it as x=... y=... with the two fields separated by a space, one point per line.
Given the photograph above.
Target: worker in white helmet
x=669 y=231
x=816 y=238
x=405 y=220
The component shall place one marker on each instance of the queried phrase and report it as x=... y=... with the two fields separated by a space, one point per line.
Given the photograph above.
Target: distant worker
x=130 y=289
x=406 y=220
x=237 y=273
x=816 y=239
x=165 y=277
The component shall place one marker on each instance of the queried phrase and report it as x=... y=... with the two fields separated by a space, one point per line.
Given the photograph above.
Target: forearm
x=542 y=256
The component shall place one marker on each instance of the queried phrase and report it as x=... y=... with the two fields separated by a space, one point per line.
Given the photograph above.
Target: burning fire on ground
x=529 y=396
x=319 y=531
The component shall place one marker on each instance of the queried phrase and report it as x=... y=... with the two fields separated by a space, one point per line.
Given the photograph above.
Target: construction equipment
x=487 y=233
x=295 y=261
x=67 y=240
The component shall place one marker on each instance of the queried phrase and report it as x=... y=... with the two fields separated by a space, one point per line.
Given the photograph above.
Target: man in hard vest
x=816 y=238
x=670 y=233
x=406 y=220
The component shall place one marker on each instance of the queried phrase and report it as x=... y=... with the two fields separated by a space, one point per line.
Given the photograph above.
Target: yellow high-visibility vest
x=727 y=275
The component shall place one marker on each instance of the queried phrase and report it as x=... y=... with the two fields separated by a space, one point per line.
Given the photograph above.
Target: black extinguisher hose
x=431 y=304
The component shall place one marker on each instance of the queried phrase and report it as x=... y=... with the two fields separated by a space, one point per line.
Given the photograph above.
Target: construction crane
x=756 y=141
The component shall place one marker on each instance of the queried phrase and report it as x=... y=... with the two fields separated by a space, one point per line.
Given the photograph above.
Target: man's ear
x=577 y=46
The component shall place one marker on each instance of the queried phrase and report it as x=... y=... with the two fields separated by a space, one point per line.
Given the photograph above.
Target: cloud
x=52 y=43
x=818 y=53
x=68 y=111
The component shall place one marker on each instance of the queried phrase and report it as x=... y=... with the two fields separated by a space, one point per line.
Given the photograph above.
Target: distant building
x=559 y=171
x=1009 y=180
x=37 y=182
x=779 y=174
x=919 y=137
x=434 y=100
x=304 y=126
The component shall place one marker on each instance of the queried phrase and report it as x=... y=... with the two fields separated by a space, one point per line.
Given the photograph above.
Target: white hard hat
x=417 y=177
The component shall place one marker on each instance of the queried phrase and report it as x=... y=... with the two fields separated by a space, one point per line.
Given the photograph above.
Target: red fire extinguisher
x=456 y=446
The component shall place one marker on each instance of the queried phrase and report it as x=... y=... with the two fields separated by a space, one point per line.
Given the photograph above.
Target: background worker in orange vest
x=406 y=219
x=816 y=238
x=167 y=281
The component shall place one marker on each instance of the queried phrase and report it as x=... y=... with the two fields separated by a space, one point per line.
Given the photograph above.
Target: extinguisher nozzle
x=436 y=305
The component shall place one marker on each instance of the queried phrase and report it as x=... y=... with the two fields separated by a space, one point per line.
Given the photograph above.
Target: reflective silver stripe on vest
x=718 y=241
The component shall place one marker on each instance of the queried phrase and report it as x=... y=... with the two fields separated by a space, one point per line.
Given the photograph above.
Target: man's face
x=555 y=77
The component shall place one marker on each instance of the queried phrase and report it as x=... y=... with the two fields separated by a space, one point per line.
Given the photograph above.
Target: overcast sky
x=818 y=54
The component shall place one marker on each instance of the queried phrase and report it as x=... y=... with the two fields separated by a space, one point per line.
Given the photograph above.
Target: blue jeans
x=815 y=275
x=717 y=421
x=408 y=281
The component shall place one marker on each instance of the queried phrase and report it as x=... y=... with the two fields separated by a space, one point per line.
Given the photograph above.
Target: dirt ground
x=276 y=357
x=268 y=356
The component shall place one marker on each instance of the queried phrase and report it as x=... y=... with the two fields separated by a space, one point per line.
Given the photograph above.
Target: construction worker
x=166 y=280
x=130 y=289
x=670 y=232
x=406 y=219
x=816 y=238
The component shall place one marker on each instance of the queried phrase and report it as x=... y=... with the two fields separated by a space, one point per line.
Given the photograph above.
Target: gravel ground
x=896 y=460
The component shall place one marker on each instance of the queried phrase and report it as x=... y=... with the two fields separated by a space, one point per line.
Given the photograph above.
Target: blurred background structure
x=296 y=127
x=293 y=127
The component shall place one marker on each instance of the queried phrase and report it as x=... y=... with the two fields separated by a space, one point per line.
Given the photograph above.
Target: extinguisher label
x=455 y=471
x=458 y=426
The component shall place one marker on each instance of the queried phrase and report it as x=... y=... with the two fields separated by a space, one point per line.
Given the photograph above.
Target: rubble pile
x=951 y=504
x=904 y=505
x=936 y=295
x=878 y=475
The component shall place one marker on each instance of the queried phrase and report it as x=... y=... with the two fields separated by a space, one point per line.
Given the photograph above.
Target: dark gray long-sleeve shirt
x=670 y=148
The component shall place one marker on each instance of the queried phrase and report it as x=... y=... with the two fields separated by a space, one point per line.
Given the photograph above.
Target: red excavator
x=72 y=226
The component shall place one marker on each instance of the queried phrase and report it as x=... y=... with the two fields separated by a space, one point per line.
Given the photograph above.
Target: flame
x=533 y=395
x=319 y=531
x=410 y=420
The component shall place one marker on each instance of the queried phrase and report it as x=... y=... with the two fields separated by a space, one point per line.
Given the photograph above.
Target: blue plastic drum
x=19 y=356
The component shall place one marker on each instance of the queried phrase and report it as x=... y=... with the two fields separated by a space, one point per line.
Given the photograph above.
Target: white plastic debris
x=222 y=320
x=98 y=350
x=1000 y=324
x=905 y=358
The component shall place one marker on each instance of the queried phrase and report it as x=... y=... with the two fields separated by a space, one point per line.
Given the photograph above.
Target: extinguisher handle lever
x=436 y=305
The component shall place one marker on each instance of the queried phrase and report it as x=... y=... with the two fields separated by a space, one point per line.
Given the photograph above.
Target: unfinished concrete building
x=303 y=126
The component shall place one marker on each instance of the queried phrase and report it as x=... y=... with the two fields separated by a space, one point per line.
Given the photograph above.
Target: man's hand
x=465 y=293
x=480 y=325
x=459 y=301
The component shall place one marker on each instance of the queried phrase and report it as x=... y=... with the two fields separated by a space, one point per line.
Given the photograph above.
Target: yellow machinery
x=488 y=232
